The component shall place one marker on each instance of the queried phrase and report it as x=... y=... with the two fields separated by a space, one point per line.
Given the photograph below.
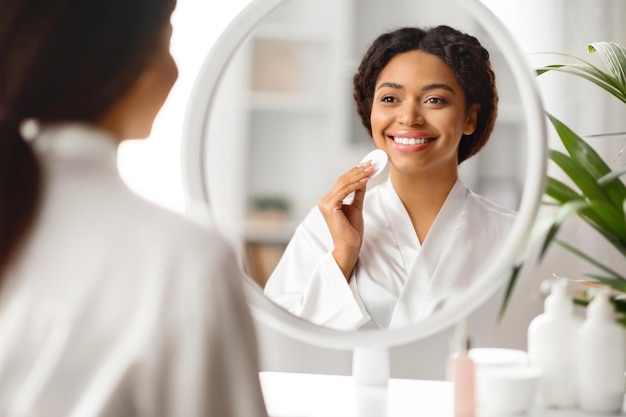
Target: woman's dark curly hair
x=462 y=52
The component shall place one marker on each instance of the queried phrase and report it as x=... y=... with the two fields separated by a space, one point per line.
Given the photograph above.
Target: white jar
x=601 y=358
x=552 y=338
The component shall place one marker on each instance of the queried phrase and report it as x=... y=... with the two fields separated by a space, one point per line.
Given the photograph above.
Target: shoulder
x=175 y=229
x=194 y=258
x=490 y=207
x=489 y=218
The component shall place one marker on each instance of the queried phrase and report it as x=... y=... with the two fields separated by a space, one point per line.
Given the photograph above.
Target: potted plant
x=597 y=194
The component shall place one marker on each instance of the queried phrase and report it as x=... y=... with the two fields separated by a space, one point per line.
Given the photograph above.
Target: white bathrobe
x=397 y=280
x=117 y=307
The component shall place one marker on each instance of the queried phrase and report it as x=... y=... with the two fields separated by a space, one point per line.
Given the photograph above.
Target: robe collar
x=425 y=263
x=408 y=243
x=77 y=141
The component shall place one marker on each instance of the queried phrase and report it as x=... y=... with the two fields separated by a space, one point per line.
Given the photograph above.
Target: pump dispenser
x=601 y=358
x=552 y=338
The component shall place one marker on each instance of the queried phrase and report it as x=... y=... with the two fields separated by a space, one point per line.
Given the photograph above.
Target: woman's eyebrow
x=437 y=86
x=428 y=87
x=390 y=85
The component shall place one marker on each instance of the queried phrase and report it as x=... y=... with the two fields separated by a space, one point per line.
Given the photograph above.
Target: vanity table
x=315 y=395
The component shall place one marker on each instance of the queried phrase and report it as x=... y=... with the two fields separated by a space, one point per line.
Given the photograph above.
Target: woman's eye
x=387 y=99
x=435 y=100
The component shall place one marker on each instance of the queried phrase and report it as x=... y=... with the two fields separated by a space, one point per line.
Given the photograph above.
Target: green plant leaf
x=590 y=73
x=586 y=182
x=588 y=160
x=565 y=212
x=548 y=68
x=591 y=218
x=605 y=135
x=601 y=196
x=584 y=69
x=539 y=229
x=509 y=290
x=614 y=56
x=610 y=218
x=560 y=192
x=600 y=78
x=616 y=173
x=620 y=306
x=589 y=259
x=601 y=216
x=606 y=219
x=580 y=302
x=616 y=284
x=580 y=150
x=612 y=232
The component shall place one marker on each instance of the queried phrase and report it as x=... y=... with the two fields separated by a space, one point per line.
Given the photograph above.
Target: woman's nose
x=410 y=115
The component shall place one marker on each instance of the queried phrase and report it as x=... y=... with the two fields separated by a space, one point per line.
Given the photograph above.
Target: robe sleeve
x=308 y=282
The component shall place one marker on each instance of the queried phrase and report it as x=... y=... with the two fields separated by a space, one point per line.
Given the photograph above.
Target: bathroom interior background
x=152 y=167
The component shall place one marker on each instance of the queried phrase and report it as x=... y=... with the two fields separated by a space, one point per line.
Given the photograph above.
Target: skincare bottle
x=552 y=338
x=601 y=358
x=462 y=372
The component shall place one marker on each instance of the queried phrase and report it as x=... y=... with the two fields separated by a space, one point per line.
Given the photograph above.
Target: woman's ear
x=471 y=119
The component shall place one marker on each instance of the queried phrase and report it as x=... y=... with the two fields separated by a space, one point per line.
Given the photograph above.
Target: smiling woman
x=399 y=252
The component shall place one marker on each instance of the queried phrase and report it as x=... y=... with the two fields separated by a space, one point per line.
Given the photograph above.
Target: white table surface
x=315 y=395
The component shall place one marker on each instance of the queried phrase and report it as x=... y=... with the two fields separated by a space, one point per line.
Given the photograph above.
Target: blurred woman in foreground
x=109 y=305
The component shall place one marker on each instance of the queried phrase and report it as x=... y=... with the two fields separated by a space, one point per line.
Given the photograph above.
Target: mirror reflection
x=286 y=129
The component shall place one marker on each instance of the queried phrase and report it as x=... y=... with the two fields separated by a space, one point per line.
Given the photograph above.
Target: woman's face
x=133 y=115
x=418 y=114
x=158 y=79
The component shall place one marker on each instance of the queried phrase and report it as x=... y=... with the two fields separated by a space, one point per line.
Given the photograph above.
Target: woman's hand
x=345 y=221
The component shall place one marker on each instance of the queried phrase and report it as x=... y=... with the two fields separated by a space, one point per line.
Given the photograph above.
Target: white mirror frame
x=264 y=310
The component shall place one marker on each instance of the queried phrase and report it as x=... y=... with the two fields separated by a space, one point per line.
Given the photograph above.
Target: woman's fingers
x=357 y=201
x=345 y=221
x=350 y=182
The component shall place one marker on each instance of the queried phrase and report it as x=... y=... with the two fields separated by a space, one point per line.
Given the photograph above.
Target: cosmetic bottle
x=462 y=372
x=552 y=338
x=601 y=358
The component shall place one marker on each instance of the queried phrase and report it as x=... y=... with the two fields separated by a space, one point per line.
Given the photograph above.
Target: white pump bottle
x=601 y=358
x=552 y=338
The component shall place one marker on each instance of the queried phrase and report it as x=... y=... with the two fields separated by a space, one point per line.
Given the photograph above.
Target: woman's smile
x=410 y=140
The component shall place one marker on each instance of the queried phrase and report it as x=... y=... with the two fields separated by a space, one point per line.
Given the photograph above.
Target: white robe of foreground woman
x=397 y=280
x=117 y=307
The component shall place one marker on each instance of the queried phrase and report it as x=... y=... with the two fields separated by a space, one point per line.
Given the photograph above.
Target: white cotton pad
x=379 y=160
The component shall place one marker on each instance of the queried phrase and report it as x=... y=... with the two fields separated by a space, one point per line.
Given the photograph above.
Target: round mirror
x=271 y=125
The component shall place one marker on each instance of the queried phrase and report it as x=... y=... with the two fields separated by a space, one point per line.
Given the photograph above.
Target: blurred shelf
x=269 y=230
x=285 y=102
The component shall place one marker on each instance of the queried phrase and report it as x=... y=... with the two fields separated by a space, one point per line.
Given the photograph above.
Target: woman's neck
x=423 y=196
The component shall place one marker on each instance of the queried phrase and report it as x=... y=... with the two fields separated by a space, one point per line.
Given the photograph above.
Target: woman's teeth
x=411 y=141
